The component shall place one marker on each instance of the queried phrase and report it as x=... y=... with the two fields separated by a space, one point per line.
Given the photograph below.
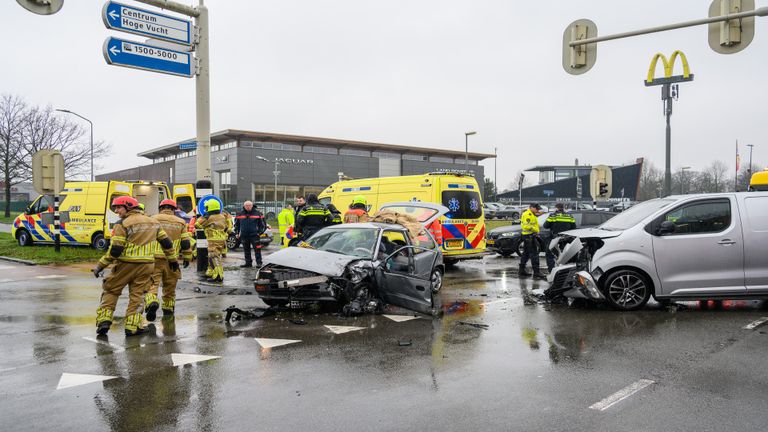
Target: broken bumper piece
x=585 y=287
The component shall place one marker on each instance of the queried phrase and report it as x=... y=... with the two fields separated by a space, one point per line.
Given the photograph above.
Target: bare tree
x=13 y=112
x=43 y=129
x=651 y=182
x=712 y=179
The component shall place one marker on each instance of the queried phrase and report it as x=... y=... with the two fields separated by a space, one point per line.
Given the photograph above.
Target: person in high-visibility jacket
x=284 y=220
x=312 y=217
x=217 y=228
x=556 y=223
x=177 y=231
x=358 y=210
x=529 y=222
x=335 y=214
x=132 y=248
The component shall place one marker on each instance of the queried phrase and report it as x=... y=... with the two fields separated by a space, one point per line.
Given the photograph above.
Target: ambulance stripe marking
x=66 y=235
x=31 y=228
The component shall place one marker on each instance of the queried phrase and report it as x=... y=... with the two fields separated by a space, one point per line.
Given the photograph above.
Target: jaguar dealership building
x=243 y=164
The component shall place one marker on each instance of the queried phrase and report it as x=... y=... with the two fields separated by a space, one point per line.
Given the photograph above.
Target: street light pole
x=89 y=122
x=495 y=174
x=749 y=168
x=466 y=149
x=682 y=179
x=276 y=173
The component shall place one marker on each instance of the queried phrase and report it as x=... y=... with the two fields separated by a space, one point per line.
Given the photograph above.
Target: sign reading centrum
x=143 y=22
x=135 y=55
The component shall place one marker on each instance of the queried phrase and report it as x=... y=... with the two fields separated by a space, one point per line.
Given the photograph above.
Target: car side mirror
x=666 y=227
x=27 y=210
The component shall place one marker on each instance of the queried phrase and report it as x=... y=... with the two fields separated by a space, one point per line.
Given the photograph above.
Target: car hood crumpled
x=324 y=263
x=586 y=233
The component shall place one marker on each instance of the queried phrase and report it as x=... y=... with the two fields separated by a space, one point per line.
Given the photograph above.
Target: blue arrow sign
x=135 y=55
x=144 y=22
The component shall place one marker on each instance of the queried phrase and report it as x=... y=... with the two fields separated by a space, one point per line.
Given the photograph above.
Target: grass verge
x=491 y=224
x=9 y=219
x=45 y=254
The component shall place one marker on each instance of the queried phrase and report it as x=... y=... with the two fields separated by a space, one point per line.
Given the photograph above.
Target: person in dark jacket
x=335 y=214
x=312 y=217
x=556 y=223
x=249 y=226
x=299 y=204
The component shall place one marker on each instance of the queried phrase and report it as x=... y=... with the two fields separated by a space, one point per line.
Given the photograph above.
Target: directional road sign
x=136 y=55
x=144 y=22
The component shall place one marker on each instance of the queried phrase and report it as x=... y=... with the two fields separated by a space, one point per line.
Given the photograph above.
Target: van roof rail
x=457 y=173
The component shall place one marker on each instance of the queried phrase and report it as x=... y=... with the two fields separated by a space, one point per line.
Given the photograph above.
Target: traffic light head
x=603 y=192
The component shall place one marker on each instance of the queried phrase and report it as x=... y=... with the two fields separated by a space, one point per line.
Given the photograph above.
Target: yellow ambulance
x=461 y=231
x=85 y=213
x=759 y=181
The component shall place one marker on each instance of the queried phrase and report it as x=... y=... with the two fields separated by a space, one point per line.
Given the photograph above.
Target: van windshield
x=635 y=214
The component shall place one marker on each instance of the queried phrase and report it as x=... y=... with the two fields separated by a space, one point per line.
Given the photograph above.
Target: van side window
x=42 y=205
x=701 y=217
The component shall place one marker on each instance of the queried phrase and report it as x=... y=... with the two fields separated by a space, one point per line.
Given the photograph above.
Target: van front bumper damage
x=567 y=281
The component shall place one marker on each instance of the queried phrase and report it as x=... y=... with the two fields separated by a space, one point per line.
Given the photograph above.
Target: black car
x=506 y=240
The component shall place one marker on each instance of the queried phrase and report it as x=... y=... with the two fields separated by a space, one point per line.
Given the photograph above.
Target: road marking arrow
x=271 y=343
x=113 y=15
x=68 y=380
x=343 y=329
x=182 y=359
x=114 y=50
x=401 y=318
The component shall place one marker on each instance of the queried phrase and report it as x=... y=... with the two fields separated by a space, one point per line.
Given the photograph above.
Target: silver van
x=688 y=247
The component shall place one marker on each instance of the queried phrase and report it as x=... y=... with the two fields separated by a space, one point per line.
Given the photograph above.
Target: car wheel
x=436 y=280
x=515 y=215
x=270 y=215
x=24 y=238
x=519 y=247
x=627 y=290
x=99 y=242
x=232 y=242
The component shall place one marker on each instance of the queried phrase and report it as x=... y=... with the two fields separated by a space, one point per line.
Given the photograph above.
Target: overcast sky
x=408 y=72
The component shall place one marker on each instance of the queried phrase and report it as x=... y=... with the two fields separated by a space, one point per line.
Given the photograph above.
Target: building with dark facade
x=243 y=164
x=625 y=184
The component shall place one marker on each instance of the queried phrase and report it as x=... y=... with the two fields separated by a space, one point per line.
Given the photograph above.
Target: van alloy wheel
x=627 y=290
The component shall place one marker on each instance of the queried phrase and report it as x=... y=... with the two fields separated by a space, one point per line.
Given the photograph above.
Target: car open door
x=404 y=278
x=184 y=195
x=424 y=212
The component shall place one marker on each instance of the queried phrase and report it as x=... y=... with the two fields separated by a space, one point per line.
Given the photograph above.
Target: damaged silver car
x=691 y=247
x=361 y=266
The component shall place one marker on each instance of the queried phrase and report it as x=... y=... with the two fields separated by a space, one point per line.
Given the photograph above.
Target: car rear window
x=462 y=204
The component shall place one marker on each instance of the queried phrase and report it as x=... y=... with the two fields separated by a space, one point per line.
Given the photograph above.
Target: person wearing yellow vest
x=177 y=231
x=284 y=220
x=358 y=210
x=529 y=222
x=132 y=248
x=216 y=227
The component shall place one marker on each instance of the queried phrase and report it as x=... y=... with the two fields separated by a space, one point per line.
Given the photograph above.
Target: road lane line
x=50 y=277
x=488 y=303
x=756 y=324
x=117 y=348
x=621 y=395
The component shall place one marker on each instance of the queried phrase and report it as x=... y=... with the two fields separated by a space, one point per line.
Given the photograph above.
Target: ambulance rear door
x=114 y=190
x=184 y=195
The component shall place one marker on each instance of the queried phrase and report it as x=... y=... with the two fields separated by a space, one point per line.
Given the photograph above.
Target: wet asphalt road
x=535 y=367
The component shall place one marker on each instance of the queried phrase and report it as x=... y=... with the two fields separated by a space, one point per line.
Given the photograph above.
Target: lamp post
x=749 y=168
x=466 y=149
x=495 y=174
x=276 y=173
x=682 y=179
x=91 y=123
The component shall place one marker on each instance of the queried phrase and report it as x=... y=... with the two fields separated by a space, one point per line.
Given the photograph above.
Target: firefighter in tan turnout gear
x=132 y=248
x=176 y=229
x=217 y=228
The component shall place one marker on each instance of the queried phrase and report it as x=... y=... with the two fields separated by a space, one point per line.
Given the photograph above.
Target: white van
x=688 y=247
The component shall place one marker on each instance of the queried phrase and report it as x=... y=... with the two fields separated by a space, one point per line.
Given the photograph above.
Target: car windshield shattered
x=357 y=242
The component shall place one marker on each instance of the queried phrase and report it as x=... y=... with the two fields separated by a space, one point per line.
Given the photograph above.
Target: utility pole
x=466 y=150
x=495 y=174
x=749 y=168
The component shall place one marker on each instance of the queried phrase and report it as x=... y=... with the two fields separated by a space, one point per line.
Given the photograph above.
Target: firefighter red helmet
x=128 y=202
x=169 y=202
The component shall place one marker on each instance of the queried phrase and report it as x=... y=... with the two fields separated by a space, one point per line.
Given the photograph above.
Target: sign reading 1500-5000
x=135 y=55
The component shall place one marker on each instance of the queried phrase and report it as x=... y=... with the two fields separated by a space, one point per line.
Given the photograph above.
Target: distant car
x=509 y=212
x=266 y=239
x=620 y=207
x=506 y=240
x=359 y=266
x=489 y=211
